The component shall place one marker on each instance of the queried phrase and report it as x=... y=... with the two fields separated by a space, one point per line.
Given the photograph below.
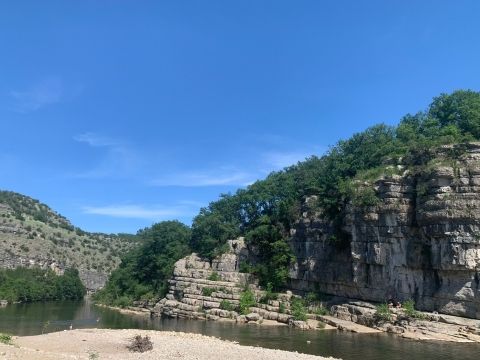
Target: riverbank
x=418 y=325
x=111 y=344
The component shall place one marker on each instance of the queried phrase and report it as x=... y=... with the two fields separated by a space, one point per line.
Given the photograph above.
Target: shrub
x=383 y=312
x=226 y=305
x=269 y=295
x=311 y=298
x=247 y=300
x=299 y=311
x=214 y=276
x=245 y=267
x=140 y=344
x=282 y=308
x=5 y=339
x=206 y=291
x=321 y=310
x=409 y=309
x=122 y=302
x=93 y=355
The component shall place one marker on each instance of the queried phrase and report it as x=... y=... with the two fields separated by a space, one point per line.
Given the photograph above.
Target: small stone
x=253 y=317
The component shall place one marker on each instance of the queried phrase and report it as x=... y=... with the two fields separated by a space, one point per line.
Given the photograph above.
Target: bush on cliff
x=247 y=300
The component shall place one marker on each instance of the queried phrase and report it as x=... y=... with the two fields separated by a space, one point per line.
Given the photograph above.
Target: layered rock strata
x=421 y=241
x=200 y=290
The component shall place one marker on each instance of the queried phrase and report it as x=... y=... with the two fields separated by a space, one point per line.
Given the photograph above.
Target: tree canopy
x=144 y=272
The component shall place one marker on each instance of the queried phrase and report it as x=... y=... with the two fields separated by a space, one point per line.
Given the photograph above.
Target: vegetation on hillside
x=265 y=212
x=27 y=285
x=30 y=229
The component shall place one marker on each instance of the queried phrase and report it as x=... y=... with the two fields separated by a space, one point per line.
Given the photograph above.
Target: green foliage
x=321 y=310
x=93 y=355
x=247 y=300
x=207 y=291
x=214 y=276
x=311 y=298
x=409 y=309
x=460 y=109
x=226 y=305
x=282 y=308
x=145 y=271
x=383 y=312
x=299 y=311
x=269 y=295
x=246 y=268
x=28 y=285
x=23 y=205
x=274 y=253
x=5 y=339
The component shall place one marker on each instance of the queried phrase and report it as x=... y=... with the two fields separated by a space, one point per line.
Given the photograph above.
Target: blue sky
x=119 y=113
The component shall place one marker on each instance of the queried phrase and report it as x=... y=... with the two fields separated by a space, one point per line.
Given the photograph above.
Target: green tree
x=144 y=272
x=460 y=108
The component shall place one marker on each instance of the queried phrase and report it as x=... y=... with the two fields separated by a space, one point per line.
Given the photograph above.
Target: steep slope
x=32 y=234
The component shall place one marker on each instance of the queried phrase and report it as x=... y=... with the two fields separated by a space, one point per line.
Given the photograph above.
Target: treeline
x=144 y=271
x=265 y=211
x=28 y=285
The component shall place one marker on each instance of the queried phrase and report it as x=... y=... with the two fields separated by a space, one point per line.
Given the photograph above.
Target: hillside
x=32 y=234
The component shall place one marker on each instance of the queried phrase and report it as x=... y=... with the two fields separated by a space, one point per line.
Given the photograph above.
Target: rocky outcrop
x=423 y=326
x=212 y=291
x=421 y=241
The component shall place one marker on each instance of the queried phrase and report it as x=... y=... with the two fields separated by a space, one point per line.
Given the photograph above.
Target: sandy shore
x=111 y=344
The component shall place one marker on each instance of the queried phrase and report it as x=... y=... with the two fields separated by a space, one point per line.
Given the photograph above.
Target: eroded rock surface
x=421 y=241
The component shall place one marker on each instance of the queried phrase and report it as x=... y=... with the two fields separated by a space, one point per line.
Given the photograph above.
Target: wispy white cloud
x=279 y=160
x=116 y=159
x=140 y=211
x=96 y=140
x=213 y=177
x=46 y=92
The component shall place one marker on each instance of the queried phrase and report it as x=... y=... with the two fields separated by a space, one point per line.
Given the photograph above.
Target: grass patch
x=226 y=305
x=269 y=295
x=207 y=291
x=247 y=300
x=321 y=310
x=299 y=311
x=214 y=276
x=409 y=309
x=5 y=339
x=383 y=312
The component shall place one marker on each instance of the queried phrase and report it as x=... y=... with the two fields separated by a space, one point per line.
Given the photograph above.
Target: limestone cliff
x=420 y=241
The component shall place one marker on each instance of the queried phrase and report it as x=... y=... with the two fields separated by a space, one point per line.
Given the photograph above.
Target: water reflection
x=30 y=319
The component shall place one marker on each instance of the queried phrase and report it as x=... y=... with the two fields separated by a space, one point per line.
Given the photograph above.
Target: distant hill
x=32 y=234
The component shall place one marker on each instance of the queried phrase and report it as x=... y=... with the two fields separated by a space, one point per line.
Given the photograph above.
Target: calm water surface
x=31 y=319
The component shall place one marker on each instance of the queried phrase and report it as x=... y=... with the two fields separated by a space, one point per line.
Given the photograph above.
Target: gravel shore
x=111 y=344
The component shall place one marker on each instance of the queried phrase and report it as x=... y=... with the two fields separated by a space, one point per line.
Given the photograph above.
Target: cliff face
x=421 y=241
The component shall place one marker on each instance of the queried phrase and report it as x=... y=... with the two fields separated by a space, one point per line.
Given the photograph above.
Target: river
x=35 y=318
